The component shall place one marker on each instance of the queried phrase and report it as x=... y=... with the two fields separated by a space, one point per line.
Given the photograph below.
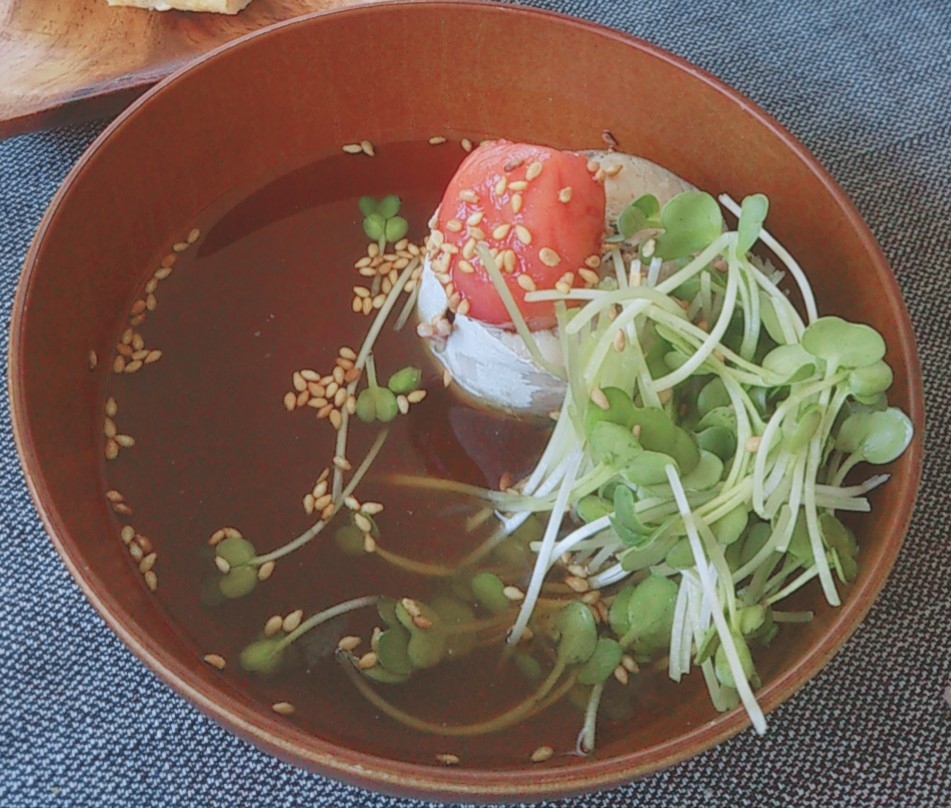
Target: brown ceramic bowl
x=276 y=104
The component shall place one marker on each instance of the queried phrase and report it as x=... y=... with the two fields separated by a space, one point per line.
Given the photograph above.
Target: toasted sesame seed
x=302 y=397
x=353 y=148
x=144 y=542
x=463 y=308
x=446 y=377
x=477 y=233
x=468 y=195
x=367 y=661
x=232 y=533
x=162 y=273
x=292 y=621
x=224 y=567
x=216 y=537
x=562 y=287
x=621 y=674
x=591 y=597
x=464 y=266
x=109 y=428
x=367 y=148
x=402 y=404
x=127 y=534
x=348 y=643
x=151 y=580
x=542 y=754
x=125 y=441
x=447 y=759
x=147 y=563
x=454 y=226
x=577 y=584
x=290 y=401
x=266 y=570
x=516 y=203
x=466 y=144
x=509 y=261
x=273 y=625
x=180 y=246
x=620 y=340
x=590 y=277
x=564 y=195
x=372 y=508
x=513 y=593
x=363 y=524
x=416 y=396
x=533 y=170
x=518 y=185
x=151 y=286
x=523 y=234
x=111 y=450
x=283 y=708
x=436 y=140
x=501 y=231
x=342 y=463
x=526 y=282
x=138 y=307
x=118 y=364
x=215 y=660
x=593 y=166
x=351 y=404
x=321 y=501
x=136 y=552
x=92 y=359
x=500 y=185
x=352 y=503
x=369 y=543
x=121 y=508
x=422 y=622
x=133 y=366
x=629 y=664
x=753 y=442
x=475 y=218
x=549 y=257
x=600 y=399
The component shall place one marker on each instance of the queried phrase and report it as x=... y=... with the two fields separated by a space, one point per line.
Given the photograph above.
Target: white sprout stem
x=511 y=307
x=620 y=271
x=696 y=265
x=328 y=614
x=586 y=741
x=710 y=344
x=709 y=590
x=789 y=320
x=603 y=300
x=783 y=255
x=797 y=583
x=315 y=529
x=340 y=449
x=653 y=271
x=544 y=554
x=853 y=490
x=408 y=307
x=679 y=663
x=575 y=538
x=812 y=522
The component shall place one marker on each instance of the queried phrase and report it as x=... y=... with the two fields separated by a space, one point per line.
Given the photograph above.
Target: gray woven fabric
x=866 y=86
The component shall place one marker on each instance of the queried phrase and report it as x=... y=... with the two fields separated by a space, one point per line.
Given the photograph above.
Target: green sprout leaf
x=263 y=656
x=752 y=215
x=641 y=214
x=691 y=221
x=576 y=633
x=843 y=344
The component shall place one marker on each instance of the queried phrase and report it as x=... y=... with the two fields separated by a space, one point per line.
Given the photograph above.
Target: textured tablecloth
x=867 y=87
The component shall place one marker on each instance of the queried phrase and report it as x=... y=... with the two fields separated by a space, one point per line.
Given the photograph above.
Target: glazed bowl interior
x=277 y=104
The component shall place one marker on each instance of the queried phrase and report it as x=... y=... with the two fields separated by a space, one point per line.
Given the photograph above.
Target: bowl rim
x=399 y=777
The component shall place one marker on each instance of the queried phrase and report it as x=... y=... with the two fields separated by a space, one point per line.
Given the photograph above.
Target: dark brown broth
x=266 y=291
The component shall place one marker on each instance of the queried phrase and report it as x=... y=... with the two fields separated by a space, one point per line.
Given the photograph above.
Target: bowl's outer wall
x=293 y=94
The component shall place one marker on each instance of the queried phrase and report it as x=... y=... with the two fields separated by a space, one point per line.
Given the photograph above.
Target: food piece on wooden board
x=216 y=6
